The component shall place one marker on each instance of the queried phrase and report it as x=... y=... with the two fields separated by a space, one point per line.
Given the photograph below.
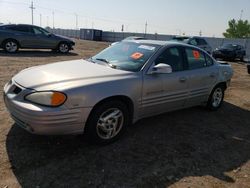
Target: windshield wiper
x=106 y=61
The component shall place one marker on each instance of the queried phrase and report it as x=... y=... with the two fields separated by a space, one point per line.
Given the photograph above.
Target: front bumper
x=45 y=120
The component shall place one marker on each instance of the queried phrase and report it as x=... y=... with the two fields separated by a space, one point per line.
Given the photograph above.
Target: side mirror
x=49 y=35
x=161 y=68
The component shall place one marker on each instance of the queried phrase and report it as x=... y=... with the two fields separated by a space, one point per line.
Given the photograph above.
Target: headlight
x=47 y=98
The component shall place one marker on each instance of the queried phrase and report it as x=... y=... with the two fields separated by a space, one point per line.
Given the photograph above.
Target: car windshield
x=129 y=56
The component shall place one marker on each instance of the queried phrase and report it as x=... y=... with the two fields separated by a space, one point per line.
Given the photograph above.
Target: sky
x=177 y=17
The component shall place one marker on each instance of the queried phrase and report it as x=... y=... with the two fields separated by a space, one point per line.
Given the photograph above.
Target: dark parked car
x=13 y=37
x=195 y=41
x=230 y=52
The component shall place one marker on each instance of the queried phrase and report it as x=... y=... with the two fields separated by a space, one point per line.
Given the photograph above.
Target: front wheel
x=216 y=98
x=63 y=47
x=107 y=122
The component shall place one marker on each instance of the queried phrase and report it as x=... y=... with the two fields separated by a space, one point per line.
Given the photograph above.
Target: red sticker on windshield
x=136 y=55
x=196 y=54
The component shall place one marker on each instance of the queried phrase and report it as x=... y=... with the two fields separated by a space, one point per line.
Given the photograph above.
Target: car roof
x=16 y=25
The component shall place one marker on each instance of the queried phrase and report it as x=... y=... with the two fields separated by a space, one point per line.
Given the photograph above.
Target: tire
x=63 y=47
x=248 y=68
x=242 y=58
x=11 y=46
x=101 y=131
x=216 y=97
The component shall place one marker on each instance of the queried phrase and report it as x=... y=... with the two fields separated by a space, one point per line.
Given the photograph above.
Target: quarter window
x=195 y=58
x=209 y=60
x=172 y=57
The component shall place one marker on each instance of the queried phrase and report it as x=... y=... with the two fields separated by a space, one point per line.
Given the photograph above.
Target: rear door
x=24 y=35
x=165 y=92
x=202 y=74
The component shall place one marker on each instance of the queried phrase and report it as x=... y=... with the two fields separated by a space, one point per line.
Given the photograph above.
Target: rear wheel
x=11 y=46
x=216 y=98
x=63 y=47
x=107 y=122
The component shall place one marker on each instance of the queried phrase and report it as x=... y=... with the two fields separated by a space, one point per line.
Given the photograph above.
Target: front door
x=165 y=92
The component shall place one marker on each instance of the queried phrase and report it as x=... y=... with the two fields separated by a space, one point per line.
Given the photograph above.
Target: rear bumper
x=47 y=121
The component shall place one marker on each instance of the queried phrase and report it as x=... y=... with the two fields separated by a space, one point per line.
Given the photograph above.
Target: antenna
x=32 y=12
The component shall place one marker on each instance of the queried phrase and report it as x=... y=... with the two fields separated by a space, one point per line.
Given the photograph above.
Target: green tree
x=238 y=29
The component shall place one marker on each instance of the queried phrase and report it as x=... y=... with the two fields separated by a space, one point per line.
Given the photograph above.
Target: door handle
x=183 y=79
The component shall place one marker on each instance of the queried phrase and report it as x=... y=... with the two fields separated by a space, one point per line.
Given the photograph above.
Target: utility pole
x=32 y=12
x=146 y=27
x=53 y=14
x=76 y=21
x=241 y=14
x=40 y=20
x=47 y=21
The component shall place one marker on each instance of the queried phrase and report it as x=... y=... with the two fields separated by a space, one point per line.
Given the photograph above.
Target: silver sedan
x=102 y=95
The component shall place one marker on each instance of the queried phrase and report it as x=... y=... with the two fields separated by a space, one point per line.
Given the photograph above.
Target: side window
x=209 y=60
x=195 y=58
x=173 y=57
x=24 y=29
x=37 y=31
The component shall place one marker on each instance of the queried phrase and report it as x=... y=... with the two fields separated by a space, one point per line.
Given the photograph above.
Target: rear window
x=201 y=42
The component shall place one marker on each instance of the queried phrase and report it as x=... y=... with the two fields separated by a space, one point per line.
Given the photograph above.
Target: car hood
x=63 y=73
x=225 y=49
x=63 y=37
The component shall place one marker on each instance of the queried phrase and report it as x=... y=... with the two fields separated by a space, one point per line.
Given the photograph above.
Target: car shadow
x=155 y=152
x=35 y=53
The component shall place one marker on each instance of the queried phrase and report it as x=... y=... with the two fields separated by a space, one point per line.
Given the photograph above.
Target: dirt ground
x=186 y=148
